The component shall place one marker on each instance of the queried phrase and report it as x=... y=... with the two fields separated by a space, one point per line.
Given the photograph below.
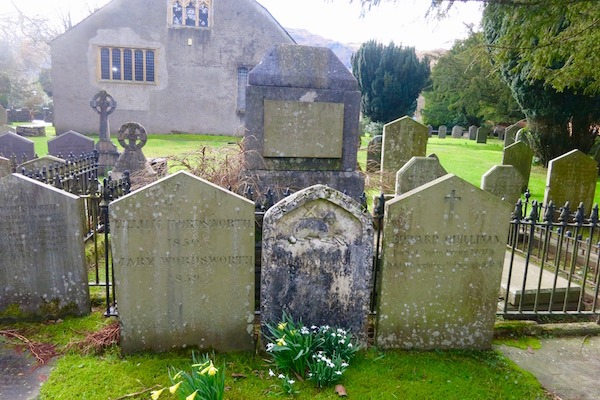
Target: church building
x=171 y=65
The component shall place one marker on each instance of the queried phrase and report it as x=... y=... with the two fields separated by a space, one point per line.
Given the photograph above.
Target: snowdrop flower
x=271 y=373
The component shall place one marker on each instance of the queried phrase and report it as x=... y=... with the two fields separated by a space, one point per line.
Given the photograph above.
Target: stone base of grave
x=108 y=156
x=31 y=130
x=140 y=169
x=350 y=183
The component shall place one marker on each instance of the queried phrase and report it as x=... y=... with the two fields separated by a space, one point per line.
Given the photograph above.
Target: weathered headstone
x=520 y=134
x=39 y=163
x=429 y=130
x=442 y=130
x=374 y=154
x=482 y=134
x=571 y=177
x=42 y=269
x=457 y=131
x=302 y=112
x=13 y=144
x=510 y=134
x=5 y=167
x=104 y=105
x=183 y=252
x=472 y=132
x=403 y=139
x=520 y=156
x=443 y=254
x=133 y=137
x=504 y=181
x=416 y=172
x=70 y=142
x=317 y=260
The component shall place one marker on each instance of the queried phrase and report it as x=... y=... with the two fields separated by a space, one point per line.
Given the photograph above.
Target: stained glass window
x=149 y=66
x=177 y=13
x=116 y=64
x=127 y=65
x=119 y=64
x=203 y=20
x=190 y=14
x=104 y=63
x=139 y=65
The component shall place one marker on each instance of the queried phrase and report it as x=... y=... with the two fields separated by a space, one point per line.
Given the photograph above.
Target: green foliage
x=521 y=40
x=390 y=79
x=466 y=89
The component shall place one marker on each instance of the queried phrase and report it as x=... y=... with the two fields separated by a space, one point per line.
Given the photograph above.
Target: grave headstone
x=13 y=144
x=416 y=172
x=403 y=139
x=43 y=269
x=374 y=154
x=457 y=131
x=104 y=105
x=3 y=116
x=482 y=134
x=443 y=254
x=472 y=132
x=317 y=251
x=520 y=156
x=183 y=252
x=510 y=134
x=133 y=137
x=504 y=181
x=39 y=163
x=520 y=134
x=571 y=177
x=70 y=142
x=302 y=112
x=5 y=167
x=442 y=130
x=429 y=130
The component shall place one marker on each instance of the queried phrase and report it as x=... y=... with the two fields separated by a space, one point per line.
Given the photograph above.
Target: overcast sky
x=402 y=21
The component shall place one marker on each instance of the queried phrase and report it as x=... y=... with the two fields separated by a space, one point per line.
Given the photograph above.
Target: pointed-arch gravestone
x=520 y=156
x=316 y=260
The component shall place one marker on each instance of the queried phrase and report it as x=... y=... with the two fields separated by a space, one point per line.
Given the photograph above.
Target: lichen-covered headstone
x=317 y=260
x=442 y=130
x=183 y=252
x=510 y=134
x=457 y=131
x=443 y=252
x=416 y=172
x=571 y=177
x=520 y=156
x=70 y=142
x=374 y=154
x=403 y=139
x=42 y=263
x=12 y=144
x=503 y=181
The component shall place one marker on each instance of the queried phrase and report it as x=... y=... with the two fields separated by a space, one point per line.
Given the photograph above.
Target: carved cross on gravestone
x=452 y=198
x=104 y=104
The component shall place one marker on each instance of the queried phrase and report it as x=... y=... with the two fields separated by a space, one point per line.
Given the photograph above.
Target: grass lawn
x=373 y=374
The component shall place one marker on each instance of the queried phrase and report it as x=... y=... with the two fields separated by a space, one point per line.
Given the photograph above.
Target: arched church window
x=177 y=13
x=203 y=13
x=190 y=14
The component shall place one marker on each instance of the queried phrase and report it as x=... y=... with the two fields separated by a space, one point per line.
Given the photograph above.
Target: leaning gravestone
x=416 y=172
x=442 y=130
x=70 y=142
x=443 y=252
x=403 y=139
x=510 y=134
x=457 y=131
x=42 y=269
x=504 y=181
x=472 y=132
x=5 y=167
x=520 y=156
x=374 y=154
x=302 y=111
x=183 y=252
x=571 y=177
x=13 y=144
x=317 y=260
x=482 y=134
